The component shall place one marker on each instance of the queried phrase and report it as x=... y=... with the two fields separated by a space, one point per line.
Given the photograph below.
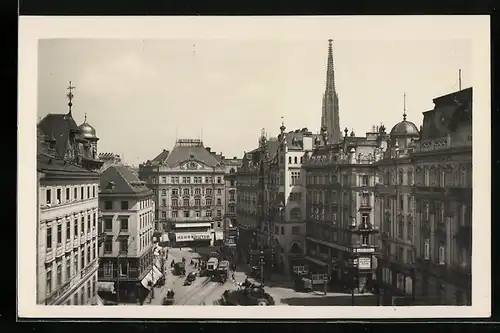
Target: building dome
x=404 y=128
x=87 y=131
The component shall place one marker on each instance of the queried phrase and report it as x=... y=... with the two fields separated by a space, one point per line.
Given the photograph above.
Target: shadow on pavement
x=359 y=300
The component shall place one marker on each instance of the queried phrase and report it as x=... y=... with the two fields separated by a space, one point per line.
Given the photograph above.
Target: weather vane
x=70 y=94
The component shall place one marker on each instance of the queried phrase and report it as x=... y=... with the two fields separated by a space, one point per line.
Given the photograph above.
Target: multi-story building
x=340 y=182
x=395 y=209
x=230 y=231
x=189 y=190
x=67 y=233
x=109 y=159
x=126 y=255
x=443 y=199
x=424 y=205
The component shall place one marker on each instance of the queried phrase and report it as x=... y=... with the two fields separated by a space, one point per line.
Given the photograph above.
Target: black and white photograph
x=232 y=168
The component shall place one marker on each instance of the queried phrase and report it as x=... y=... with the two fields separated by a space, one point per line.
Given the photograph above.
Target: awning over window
x=106 y=287
x=316 y=261
x=151 y=278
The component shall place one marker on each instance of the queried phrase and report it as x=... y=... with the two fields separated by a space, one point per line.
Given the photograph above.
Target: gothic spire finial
x=70 y=96
x=85 y=117
x=404 y=107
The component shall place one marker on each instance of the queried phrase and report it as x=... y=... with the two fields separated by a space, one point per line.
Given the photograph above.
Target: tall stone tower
x=330 y=114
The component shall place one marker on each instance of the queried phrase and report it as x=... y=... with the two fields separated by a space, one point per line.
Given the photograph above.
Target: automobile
x=168 y=299
x=190 y=278
x=252 y=295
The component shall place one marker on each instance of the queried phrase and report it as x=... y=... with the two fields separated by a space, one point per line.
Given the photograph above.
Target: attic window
x=110 y=186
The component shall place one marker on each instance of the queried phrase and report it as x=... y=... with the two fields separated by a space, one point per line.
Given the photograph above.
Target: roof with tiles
x=59 y=126
x=161 y=156
x=54 y=166
x=187 y=149
x=124 y=181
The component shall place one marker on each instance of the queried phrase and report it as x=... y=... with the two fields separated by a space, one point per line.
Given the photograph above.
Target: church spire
x=330 y=114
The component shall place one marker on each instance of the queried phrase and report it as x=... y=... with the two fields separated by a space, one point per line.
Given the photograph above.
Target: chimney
x=307 y=141
x=208 y=149
x=235 y=158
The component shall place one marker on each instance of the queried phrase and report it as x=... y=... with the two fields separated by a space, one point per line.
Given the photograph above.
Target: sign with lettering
x=364 y=263
x=364 y=250
x=188 y=237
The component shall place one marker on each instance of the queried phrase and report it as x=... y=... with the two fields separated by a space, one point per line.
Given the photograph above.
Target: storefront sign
x=364 y=263
x=364 y=250
x=187 y=237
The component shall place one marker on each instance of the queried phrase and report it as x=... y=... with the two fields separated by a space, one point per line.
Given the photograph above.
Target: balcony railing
x=190 y=219
x=69 y=246
x=49 y=255
x=76 y=242
x=59 y=250
x=82 y=238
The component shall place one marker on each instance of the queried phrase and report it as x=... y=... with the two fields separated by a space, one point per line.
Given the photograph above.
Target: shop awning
x=151 y=278
x=316 y=261
x=106 y=287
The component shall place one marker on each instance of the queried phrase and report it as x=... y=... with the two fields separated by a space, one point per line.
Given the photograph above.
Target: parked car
x=190 y=278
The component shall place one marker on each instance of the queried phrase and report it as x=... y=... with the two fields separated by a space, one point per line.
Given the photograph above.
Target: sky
x=140 y=95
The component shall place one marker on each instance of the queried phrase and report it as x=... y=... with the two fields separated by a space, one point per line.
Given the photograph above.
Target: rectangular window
x=219 y=180
x=185 y=202
x=208 y=191
x=88 y=191
x=75 y=262
x=219 y=213
x=108 y=224
x=208 y=202
x=89 y=258
x=164 y=202
x=174 y=214
x=49 y=237
x=124 y=205
x=93 y=252
x=427 y=248
x=164 y=179
x=48 y=197
x=219 y=191
x=93 y=191
x=108 y=269
x=163 y=215
x=295 y=230
x=48 y=285
x=208 y=213
x=364 y=180
x=186 y=213
x=59 y=275
x=94 y=220
x=365 y=200
x=67 y=194
x=219 y=202
x=108 y=205
x=89 y=221
x=441 y=254
x=164 y=192
x=81 y=193
x=197 y=202
x=58 y=196
x=174 y=202
x=82 y=225
x=108 y=246
x=68 y=231
x=59 y=234
x=82 y=257
x=68 y=268
x=75 y=193
x=123 y=245
x=124 y=224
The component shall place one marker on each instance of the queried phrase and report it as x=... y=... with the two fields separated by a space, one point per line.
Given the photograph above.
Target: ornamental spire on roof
x=70 y=96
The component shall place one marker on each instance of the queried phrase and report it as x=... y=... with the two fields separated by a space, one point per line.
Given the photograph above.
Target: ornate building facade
x=425 y=205
x=126 y=255
x=340 y=183
x=189 y=191
x=67 y=230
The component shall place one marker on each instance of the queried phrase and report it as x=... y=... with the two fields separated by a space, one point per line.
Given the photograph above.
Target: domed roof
x=404 y=128
x=87 y=131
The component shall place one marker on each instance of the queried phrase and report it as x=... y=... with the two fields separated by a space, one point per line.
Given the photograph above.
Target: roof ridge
x=123 y=177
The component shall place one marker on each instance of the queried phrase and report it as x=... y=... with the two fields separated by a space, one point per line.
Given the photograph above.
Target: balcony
x=69 y=246
x=76 y=242
x=59 y=250
x=82 y=238
x=190 y=219
x=94 y=232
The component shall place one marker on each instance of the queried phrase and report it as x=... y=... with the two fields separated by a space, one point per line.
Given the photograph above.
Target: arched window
x=295 y=214
x=296 y=248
